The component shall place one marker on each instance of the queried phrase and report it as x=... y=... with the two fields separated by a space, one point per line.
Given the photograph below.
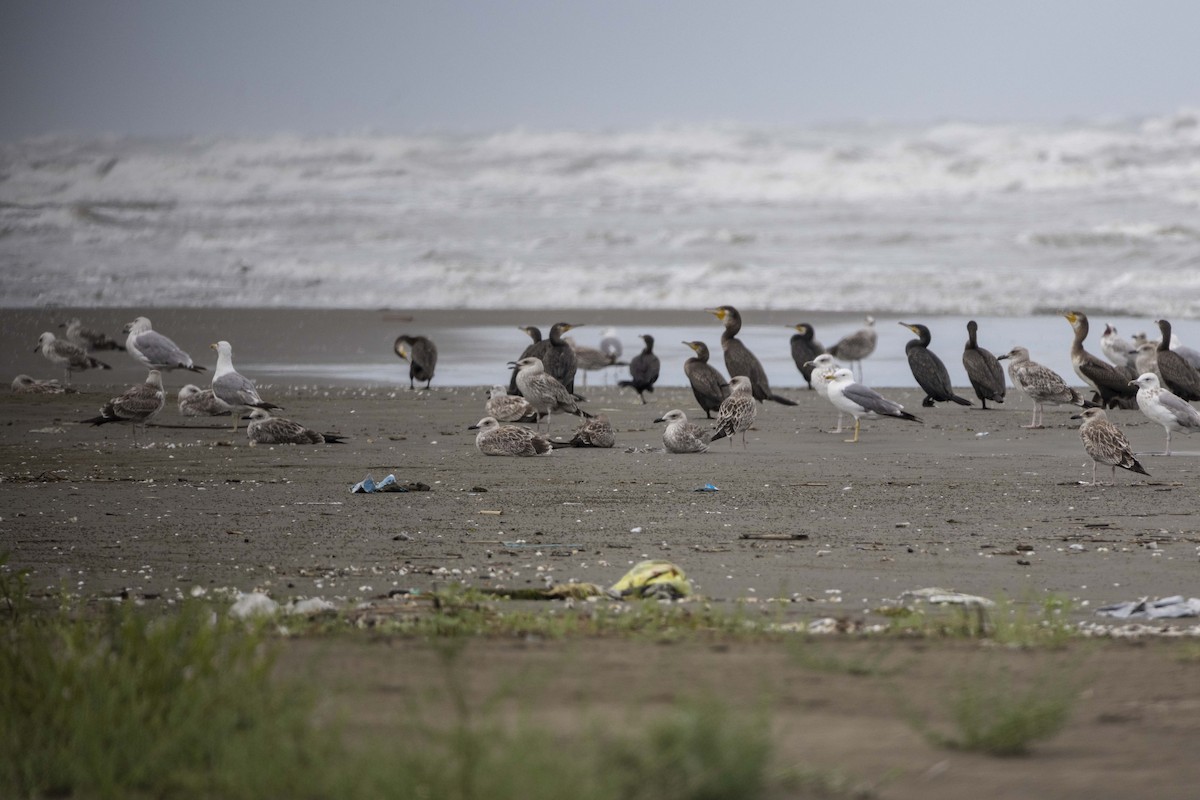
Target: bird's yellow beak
x=719 y=313
x=213 y=346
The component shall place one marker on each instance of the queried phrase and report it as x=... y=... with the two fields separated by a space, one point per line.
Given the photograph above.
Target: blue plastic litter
x=365 y=486
x=708 y=487
x=390 y=480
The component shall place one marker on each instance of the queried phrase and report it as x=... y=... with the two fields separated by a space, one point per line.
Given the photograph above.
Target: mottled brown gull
x=1040 y=383
x=495 y=439
x=1106 y=444
x=71 y=357
x=737 y=412
x=681 y=436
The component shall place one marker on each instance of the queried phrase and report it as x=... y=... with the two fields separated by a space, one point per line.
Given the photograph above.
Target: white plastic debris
x=253 y=604
x=945 y=596
x=1166 y=608
x=313 y=605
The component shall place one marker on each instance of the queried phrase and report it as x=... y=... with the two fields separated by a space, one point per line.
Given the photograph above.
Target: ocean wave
x=929 y=219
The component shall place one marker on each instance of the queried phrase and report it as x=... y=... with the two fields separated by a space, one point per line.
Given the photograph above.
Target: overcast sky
x=270 y=66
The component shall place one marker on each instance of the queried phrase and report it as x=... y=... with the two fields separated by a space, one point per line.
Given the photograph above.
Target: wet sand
x=968 y=501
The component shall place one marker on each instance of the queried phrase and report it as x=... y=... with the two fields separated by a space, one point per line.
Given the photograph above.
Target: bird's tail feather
x=778 y=398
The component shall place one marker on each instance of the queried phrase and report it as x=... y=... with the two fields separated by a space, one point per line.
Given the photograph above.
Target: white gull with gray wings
x=231 y=387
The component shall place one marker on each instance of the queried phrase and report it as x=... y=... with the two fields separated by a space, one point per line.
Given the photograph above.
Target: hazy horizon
x=222 y=68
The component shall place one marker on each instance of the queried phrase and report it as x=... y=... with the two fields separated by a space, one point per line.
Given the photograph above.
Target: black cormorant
x=740 y=361
x=983 y=369
x=709 y=386
x=929 y=370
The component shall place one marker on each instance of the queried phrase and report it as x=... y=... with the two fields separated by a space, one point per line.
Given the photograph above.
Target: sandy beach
x=968 y=501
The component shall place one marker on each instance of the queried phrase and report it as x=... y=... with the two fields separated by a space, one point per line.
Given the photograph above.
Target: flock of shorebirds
x=1161 y=378
x=229 y=394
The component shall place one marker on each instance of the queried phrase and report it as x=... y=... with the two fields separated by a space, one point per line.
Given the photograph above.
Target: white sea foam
x=949 y=218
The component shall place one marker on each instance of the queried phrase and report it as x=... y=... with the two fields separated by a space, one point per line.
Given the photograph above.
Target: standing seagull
x=1111 y=384
x=983 y=369
x=543 y=391
x=856 y=346
x=804 y=349
x=495 y=439
x=138 y=403
x=232 y=388
x=1164 y=407
x=1040 y=383
x=1178 y=375
x=822 y=367
x=590 y=359
x=421 y=354
x=1105 y=443
x=643 y=369
x=70 y=357
x=610 y=344
x=155 y=351
x=859 y=401
x=680 y=435
x=737 y=412
x=709 y=386
x=929 y=370
x=738 y=358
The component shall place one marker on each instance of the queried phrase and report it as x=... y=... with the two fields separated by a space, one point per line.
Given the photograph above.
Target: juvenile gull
x=88 y=338
x=737 y=412
x=1166 y=408
x=70 y=357
x=421 y=354
x=507 y=407
x=197 y=402
x=681 y=436
x=738 y=358
x=856 y=346
x=594 y=432
x=266 y=429
x=983 y=369
x=139 y=403
x=859 y=401
x=24 y=384
x=643 y=369
x=1040 y=383
x=1111 y=384
x=708 y=385
x=1105 y=443
x=155 y=351
x=545 y=393
x=822 y=367
x=495 y=439
x=1177 y=374
x=232 y=388
x=804 y=349
x=928 y=369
